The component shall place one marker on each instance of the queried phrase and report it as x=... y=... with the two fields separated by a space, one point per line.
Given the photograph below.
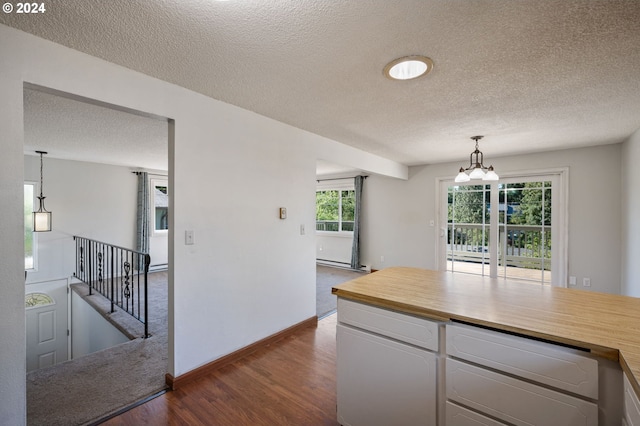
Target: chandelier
x=476 y=169
x=41 y=217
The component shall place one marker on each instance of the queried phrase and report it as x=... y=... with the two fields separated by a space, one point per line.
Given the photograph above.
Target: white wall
x=13 y=368
x=91 y=200
x=90 y=332
x=630 y=215
x=396 y=213
x=336 y=248
x=249 y=274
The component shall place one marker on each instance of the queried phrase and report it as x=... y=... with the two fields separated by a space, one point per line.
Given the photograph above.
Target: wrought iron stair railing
x=117 y=273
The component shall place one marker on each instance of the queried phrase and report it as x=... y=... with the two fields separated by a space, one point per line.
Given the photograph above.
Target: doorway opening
x=93 y=148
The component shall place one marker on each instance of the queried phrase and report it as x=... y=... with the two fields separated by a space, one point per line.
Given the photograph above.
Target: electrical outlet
x=572 y=280
x=586 y=282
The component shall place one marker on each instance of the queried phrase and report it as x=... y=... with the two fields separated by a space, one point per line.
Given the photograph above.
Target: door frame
x=560 y=219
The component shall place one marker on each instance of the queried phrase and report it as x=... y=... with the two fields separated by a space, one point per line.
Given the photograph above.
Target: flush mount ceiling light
x=476 y=169
x=41 y=217
x=408 y=67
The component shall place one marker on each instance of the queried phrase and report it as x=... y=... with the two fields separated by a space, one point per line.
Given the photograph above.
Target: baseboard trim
x=177 y=382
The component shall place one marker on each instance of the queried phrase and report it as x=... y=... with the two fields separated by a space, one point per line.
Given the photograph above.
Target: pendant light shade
x=476 y=169
x=41 y=217
x=491 y=175
x=462 y=176
x=476 y=173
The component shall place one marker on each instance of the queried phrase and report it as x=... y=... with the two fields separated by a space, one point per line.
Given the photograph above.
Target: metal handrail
x=118 y=273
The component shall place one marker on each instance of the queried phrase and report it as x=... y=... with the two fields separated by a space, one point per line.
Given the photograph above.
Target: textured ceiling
x=529 y=75
x=75 y=130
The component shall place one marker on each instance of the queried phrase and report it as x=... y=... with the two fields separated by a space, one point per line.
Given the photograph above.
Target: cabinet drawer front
x=631 y=404
x=382 y=382
x=460 y=416
x=406 y=328
x=513 y=400
x=553 y=365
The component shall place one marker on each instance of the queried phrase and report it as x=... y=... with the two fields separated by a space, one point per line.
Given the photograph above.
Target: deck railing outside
x=522 y=246
x=117 y=273
x=333 y=225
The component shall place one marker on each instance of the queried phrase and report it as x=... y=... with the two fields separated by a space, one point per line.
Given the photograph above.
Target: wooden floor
x=292 y=382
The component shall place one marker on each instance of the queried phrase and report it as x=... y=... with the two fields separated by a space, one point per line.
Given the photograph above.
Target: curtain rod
x=342 y=178
x=149 y=173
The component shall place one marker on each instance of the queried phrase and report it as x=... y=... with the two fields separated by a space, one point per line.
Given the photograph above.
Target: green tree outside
x=335 y=210
x=526 y=204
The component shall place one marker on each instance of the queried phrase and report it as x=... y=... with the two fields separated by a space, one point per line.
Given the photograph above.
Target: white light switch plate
x=188 y=238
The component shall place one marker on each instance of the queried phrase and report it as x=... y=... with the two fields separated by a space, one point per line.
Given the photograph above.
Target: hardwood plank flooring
x=291 y=382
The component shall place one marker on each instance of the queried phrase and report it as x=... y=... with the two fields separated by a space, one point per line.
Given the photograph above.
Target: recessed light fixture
x=408 y=67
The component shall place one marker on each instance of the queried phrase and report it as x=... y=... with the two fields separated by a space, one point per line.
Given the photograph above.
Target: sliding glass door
x=512 y=228
x=525 y=232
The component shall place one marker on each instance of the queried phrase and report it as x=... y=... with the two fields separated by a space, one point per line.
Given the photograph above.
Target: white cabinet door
x=384 y=382
x=631 y=405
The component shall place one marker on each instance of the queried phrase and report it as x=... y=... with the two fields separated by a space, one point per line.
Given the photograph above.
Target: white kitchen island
x=433 y=348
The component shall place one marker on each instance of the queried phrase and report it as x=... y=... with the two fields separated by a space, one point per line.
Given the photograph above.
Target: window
x=160 y=206
x=32 y=300
x=335 y=209
x=29 y=236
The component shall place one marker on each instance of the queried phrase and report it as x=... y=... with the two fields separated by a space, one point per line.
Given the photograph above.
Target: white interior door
x=46 y=306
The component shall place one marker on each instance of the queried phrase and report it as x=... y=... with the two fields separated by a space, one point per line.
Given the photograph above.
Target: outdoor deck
x=508 y=272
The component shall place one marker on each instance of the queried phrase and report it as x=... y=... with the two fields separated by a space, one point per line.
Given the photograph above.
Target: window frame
x=153 y=183
x=339 y=185
x=34 y=235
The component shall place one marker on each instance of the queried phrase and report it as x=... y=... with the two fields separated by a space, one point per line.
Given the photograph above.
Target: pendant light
x=476 y=169
x=41 y=217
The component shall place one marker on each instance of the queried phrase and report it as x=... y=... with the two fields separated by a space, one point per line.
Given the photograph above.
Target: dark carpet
x=84 y=390
x=327 y=277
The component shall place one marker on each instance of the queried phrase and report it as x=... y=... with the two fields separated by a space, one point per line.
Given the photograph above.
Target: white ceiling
x=75 y=130
x=530 y=75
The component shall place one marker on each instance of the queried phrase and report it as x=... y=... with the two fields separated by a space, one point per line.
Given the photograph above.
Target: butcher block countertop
x=607 y=325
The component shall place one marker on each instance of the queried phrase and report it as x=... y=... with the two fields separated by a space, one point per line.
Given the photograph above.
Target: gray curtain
x=355 y=248
x=142 y=214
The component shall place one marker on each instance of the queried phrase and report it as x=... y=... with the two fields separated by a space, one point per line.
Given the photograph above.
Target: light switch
x=188 y=238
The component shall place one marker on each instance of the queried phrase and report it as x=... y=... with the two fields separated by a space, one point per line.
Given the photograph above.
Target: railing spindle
x=111 y=270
